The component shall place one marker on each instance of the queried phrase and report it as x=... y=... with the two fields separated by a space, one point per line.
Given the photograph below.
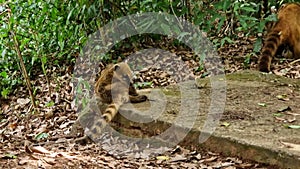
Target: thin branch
x=172 y=10
x=23 y=70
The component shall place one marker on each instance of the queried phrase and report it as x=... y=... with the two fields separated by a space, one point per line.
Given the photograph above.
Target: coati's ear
x=116 y=67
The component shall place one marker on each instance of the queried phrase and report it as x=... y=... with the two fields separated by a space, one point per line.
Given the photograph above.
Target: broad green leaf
x=226 y=39
x=50 y=104
x=257 y=45
x=41 y=136
x=69 y=16
x=277 y=114
x=3 y=74
x=249 y=9
x=226 y=4
x=10 y=156
x=293 y=126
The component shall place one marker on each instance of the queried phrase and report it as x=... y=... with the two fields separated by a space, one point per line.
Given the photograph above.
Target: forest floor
x=43 y=140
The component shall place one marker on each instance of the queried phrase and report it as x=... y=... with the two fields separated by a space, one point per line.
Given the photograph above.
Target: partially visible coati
x=284 y=33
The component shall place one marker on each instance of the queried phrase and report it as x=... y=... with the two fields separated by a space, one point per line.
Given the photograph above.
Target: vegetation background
x=38 y=35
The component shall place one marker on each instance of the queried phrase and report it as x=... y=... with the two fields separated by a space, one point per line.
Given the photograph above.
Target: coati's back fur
x=285 y=32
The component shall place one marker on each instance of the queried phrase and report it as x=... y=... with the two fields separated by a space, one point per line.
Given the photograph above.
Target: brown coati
x=115 y=87
x=284 y=33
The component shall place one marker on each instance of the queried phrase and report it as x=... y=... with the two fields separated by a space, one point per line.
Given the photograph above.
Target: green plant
x=53 y=32
x=142 y=85
x=228 y=18
x=7 y=83
x=49 y=32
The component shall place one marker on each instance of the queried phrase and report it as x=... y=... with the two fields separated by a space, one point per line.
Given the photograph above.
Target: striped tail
x=110 y=112
x=269 y=50
x=107 y=117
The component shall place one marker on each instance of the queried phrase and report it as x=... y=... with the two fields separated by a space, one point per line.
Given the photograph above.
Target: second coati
x=285 y=32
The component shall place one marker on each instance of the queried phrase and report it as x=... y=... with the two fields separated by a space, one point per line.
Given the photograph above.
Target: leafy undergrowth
x=44 y=139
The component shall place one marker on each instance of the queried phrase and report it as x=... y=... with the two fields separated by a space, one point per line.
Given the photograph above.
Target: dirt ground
x=251 y=105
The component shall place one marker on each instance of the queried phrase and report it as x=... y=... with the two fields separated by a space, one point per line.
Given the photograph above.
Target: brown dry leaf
x=23 y=162
x=227 y=164
x=293 y=114
x=4 y=107
x=210 y=159
x=42 y=129
x=39 y=149
x=34 y=149
x=34 y=157
x=178 y=157
x=50 y=161
x=190 y=165
x=292 y=146
x=245 y=165
x=23 y=101
x=292 y=120
x=280 y=119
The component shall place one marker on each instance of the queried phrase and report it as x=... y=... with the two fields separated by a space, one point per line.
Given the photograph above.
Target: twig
x=23 y=70
x=172 y=9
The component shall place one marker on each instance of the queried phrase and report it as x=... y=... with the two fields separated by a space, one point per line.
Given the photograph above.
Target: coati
x=284 y=33
x=115 y=87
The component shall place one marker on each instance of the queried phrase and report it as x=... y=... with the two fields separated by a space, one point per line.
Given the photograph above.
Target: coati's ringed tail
x=284 y=33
